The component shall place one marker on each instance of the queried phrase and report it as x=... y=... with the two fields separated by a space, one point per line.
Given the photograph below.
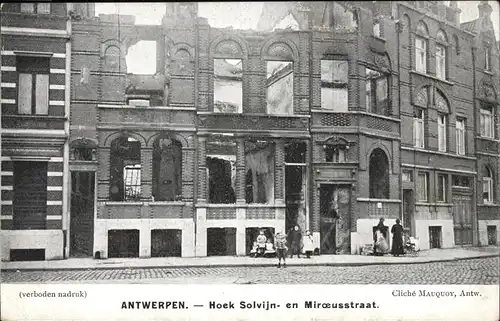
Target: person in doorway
x=381 y=245
x=308 y=244
x=397 y=239
x=295 y=238
x=281 y=248
x=261 y=243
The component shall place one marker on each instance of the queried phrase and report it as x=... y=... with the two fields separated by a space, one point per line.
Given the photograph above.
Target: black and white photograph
x=251 y=144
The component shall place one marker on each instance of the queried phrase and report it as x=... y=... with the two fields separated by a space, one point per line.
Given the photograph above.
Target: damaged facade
x=330 y=116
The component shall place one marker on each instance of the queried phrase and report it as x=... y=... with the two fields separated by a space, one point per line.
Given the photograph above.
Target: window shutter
x=42 y=94
x=25 y=94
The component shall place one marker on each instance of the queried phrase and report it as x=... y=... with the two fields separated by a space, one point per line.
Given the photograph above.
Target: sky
x=239 y=15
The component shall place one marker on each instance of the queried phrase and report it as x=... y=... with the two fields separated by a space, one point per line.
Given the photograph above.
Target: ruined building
x=329 y=116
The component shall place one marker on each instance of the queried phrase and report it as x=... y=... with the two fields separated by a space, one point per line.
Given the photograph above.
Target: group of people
x=292 y=243
x=381 y=245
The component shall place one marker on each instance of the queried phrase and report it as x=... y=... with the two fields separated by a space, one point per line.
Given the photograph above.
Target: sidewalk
x=434 y=255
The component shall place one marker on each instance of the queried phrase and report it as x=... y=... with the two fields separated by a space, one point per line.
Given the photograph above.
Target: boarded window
x=33 y=93
x=167 y=170
x=334 y=92
x=30 y=195
x=125 y=169
x=228 y=85
x=279 y=87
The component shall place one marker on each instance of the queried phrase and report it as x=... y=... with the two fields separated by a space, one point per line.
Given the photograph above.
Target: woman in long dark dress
x=397 y=238
x=379 y=238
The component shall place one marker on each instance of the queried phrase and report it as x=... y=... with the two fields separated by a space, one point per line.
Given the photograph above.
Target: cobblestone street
x=473 y=271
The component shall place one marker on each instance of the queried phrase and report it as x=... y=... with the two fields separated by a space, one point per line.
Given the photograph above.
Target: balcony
x=123 y=116
x=490 y=146
x=252 y=123
x=356 y=119
x=33 y=122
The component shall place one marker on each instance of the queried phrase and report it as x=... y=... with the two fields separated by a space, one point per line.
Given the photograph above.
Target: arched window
x=421 y=46
x=443 y=111
x=487 y=185
x=167 y=170
x=441 y=55
x=112 y=58
x=379 y=174
x=125 y=169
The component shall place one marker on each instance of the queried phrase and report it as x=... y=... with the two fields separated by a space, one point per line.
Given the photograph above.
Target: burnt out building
x=329 y=116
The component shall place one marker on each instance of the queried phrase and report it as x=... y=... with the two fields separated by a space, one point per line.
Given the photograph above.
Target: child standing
x=308 y=244
x=280 y=245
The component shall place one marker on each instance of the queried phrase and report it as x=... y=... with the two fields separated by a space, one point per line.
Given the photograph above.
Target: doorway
x=165 y=243
x=334 y=219
x=82 y=214
x=408 y=211
x=462 y=219
x=435 y=234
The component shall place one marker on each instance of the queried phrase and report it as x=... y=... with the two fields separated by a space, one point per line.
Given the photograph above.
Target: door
x=328 y=220
x=408 y=210
x=462 y=219
x=82 y=214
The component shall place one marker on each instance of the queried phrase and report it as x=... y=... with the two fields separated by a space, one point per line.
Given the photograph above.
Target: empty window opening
x=167 y=170
x=259 y=160
x=125 y=169
x=377 y=92
x=334 y=91
x=279 y=87
x=141 y=58
x=228 y=85
x=165 y=243
x=83 y=154
x=379 y=174
x=123 y=243
x=221 y=166
x=221 y=241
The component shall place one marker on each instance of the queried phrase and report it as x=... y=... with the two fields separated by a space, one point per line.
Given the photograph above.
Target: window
x=335 y=153
x=167 y=170
x=442 y=132
x=376 y=29
x=279 y=87
x=441 y=61
x=407 y=176
x=83 y=154
x=421 y=54
x=460 y=136
x=40 y=7
x=418 y=128
x=259 y=161
x=334 y=92
x=487 y=58
x=228 y=85
x=422 y=187
x=377 y=92
x=125 y=169
x=379 y=174
x=442 y=186
x=221 y=167
x=461 y=181
x=33 y=86
x=486 y=120
x=29 y=195
x=487 y=186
